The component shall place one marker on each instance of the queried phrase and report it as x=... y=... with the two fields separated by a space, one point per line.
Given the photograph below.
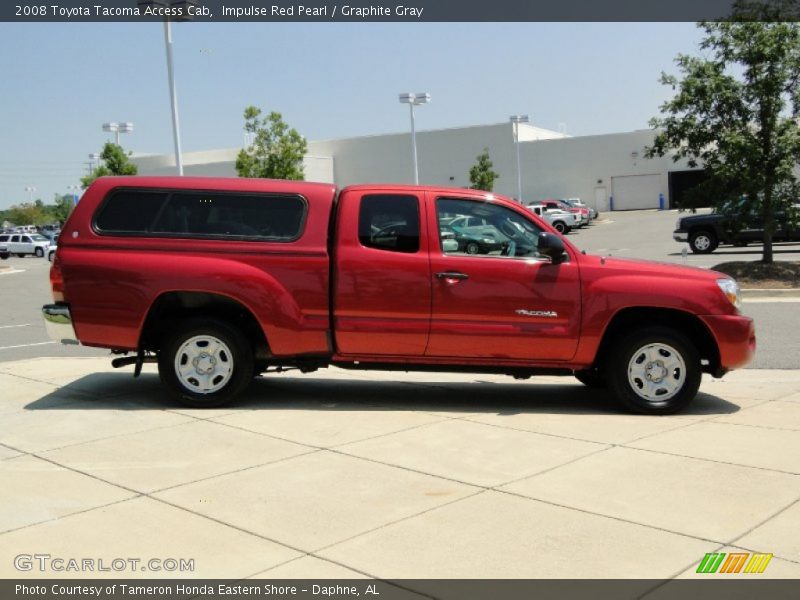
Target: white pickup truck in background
x=561 y=220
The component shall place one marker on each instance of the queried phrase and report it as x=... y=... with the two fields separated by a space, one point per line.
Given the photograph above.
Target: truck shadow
x=119 y=391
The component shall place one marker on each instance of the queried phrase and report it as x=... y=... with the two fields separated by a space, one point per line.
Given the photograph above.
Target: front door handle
x=452 y=275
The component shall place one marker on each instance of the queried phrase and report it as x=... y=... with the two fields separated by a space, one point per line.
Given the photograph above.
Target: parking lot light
x=117 y=128
x=516 y=120
x=413 y=100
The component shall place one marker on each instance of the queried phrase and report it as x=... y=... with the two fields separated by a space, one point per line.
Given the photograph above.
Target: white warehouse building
x=607 y=171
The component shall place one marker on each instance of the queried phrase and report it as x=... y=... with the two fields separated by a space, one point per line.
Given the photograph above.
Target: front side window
x=485 y=229
x=389 y=222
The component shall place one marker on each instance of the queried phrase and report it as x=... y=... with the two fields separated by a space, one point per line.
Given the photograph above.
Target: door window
x=485 y=229
x=389 y=222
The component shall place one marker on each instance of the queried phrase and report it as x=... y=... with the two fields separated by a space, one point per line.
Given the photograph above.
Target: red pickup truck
x=219 y=280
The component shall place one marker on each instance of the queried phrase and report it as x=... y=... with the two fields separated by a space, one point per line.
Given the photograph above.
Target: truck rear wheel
x=205 y=363
x=655 y=371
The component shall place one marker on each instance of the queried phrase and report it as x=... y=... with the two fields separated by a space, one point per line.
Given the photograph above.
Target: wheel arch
x=179 y=305
x=690 y=325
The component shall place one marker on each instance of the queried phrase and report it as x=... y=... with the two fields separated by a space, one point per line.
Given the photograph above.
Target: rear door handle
x=451 y=275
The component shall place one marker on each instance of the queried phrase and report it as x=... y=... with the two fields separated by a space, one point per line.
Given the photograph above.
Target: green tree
x=115 y=162
x=737 y=112
x=27 y=213
x=276 y=152
x=481 y=174
x=61 y=208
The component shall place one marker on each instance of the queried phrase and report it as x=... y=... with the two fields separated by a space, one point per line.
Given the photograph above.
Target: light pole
x=516 y=120
x=94 y=159
x=30 y=189
x=117 y=128
x=414 y=100
x=183 y=5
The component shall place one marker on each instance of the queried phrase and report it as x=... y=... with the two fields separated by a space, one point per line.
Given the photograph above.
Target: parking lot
x=393 y=475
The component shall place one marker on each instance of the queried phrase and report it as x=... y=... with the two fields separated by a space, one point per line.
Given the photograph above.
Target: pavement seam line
x=235 y=471
x=764 y=522
x=400 y=520
x=111 y=437
x=72 y=514
x=711 y=460
x=605 y=516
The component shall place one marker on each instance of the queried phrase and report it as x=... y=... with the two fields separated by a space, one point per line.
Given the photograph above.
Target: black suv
x=737 y=227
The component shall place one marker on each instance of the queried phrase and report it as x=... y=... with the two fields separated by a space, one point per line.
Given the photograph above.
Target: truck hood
x=629 y=282
x=613 y=265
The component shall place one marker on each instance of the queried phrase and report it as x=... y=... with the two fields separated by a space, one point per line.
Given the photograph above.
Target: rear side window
x=277 y=218
x=193 y=214
x=129 y=211
x=389 y=222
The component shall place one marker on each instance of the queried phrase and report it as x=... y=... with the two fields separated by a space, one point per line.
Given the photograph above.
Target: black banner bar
x=712 y=588
x=416 y=11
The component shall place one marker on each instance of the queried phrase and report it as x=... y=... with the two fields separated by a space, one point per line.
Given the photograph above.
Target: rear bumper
x=58 y=322
x=736 y=339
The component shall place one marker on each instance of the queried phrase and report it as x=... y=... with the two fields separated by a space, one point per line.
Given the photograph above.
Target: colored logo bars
x=736 y=562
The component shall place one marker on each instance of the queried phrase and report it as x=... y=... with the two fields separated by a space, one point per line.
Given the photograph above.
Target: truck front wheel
x=654 y=371
x=205 y=363
x=703 y=242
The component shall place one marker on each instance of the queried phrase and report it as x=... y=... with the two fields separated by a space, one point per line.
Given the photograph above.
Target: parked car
x=23 y=244
x=734 y=224
x=582 y=213
x=562 y=221
x=151 y=267
x=51 y=251
x=577 y=203
x=474 y=237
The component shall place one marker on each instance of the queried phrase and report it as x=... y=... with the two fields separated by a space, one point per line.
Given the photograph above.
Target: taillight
x=57 y=280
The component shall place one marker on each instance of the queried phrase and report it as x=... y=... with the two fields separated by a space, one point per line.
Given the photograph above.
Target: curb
x=768 y=293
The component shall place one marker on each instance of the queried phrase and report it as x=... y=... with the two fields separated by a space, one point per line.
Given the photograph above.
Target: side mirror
x=551 y=246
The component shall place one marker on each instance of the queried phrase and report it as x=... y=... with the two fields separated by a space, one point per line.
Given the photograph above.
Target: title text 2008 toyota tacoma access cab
x=221 y=279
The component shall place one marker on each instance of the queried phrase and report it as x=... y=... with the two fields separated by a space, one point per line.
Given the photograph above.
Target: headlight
x=730 y=288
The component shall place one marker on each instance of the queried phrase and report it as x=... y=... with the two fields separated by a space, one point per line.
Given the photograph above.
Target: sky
x=62 y=81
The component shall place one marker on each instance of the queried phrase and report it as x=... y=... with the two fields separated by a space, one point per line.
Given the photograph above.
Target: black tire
x=234 y=357
x=676 y=386
x=592 y=378
x=703 y=241
x=472 y=248
x=560 y=227
x=39 y=252
x=4 y=256
x=20 y=255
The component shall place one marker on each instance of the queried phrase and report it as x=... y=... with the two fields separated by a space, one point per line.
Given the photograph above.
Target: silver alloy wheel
x=656 y=372
x=702 y=242
x=204 y=364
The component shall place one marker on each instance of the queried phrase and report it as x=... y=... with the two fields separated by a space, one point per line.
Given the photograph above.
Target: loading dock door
x=635 y=191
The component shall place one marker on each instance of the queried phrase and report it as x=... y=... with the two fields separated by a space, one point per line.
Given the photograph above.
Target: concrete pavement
x=341 y=474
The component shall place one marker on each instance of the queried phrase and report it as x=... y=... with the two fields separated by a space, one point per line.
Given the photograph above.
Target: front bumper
x=679 y=235
x=58 y=322
x=736 y=339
